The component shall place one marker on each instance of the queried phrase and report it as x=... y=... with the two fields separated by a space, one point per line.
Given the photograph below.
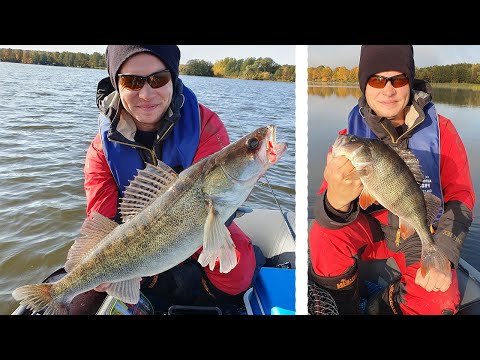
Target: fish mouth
x=274 y=150
x=339 y=142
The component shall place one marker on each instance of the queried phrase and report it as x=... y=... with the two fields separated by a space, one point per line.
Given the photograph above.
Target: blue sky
x=425 y=55
x=281 y=54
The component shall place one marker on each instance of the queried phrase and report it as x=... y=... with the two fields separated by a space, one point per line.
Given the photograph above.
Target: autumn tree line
x=456 y=73
x=250 y=68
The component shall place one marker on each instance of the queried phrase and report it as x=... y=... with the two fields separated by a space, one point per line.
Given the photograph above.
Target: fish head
x=248 y=158
x=354 y=148
x=234 y=170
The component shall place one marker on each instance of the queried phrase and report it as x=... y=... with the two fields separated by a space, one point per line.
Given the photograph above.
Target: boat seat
x=269 y=231
x=472 y=308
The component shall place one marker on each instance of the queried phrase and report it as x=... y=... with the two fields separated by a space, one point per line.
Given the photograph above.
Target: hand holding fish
x=434 y=279
x=344 y=184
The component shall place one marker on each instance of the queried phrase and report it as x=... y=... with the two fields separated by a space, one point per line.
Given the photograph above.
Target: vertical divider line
x=301 y=178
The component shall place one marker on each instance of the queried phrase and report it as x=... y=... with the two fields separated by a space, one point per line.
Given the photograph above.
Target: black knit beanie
x=378 y=58
x=117 y=54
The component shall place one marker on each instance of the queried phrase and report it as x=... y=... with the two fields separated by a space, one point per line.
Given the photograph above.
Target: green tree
x=285 y=73
x=199 y=68
x=97 y=60
x=475 y=74
x=246 y=63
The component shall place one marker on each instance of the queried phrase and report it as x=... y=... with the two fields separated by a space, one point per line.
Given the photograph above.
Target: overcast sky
x=425 y=55
x=281 y=54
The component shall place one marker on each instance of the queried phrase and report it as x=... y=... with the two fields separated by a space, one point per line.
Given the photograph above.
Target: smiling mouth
x=388 y=102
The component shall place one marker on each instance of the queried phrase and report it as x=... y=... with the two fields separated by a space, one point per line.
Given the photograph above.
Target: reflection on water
x=441 y=95
x=454 y=96
x=326 y=91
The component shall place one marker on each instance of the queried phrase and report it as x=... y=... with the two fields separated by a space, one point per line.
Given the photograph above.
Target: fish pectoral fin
x=217 y=243
x=405 y=229
x=366 y=199
x=127 y=291
x=92 y=232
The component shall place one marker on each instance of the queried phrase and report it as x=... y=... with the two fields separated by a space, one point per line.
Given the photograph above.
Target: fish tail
x=432 y=257
x=38 y=297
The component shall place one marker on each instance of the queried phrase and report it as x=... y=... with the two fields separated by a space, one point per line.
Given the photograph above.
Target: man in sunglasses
x=148 y=115
x=396 y=108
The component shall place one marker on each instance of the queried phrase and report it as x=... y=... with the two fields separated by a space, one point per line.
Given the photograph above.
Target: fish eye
x=252 y=143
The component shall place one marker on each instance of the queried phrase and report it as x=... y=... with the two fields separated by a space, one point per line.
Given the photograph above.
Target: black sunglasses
x=136 y=82
x=379 y=82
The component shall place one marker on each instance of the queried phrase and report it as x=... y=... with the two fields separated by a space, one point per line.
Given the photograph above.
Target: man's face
x=147 y=105
x=388 y=101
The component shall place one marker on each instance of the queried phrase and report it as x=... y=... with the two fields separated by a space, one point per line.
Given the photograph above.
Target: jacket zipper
x=405 y=133
x=151 y=151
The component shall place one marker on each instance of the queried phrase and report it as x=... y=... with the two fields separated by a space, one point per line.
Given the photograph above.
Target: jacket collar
x=420 y=96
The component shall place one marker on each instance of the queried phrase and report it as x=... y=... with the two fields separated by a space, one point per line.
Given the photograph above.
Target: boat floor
x=377 y=274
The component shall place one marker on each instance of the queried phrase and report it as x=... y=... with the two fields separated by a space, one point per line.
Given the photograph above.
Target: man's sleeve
x=213 y=134
x=458 y=193
x=100 y=187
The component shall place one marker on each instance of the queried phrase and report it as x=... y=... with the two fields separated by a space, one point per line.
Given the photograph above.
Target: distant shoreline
x=180 y=72
x=474 y=87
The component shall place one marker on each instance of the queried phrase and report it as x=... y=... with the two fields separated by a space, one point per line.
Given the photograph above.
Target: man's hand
x=344 y=185
x=434 y=279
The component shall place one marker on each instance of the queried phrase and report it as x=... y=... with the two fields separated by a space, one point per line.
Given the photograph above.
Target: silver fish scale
x=393 y=185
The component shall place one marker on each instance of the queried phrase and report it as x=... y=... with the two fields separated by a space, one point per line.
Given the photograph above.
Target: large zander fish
x=391 y=177
x=166 y=218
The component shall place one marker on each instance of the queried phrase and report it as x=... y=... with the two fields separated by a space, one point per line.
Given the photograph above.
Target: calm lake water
x=49 y=118
x=328 y=109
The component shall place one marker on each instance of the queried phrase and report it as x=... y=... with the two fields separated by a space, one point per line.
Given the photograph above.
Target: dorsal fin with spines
x=148 y=185
x=412 y=162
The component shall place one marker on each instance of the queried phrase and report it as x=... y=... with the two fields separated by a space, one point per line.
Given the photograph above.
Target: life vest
x=424 y=143
x=179 y=147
